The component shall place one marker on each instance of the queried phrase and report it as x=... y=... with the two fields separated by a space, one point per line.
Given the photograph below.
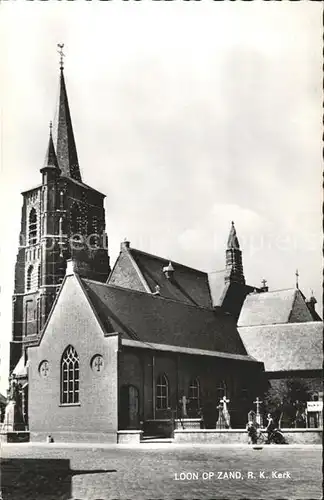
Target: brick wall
x=136 y=368
x=73 y=323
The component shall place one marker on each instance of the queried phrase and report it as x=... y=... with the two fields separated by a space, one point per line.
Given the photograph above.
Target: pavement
x=156 y=444
x=153 y=471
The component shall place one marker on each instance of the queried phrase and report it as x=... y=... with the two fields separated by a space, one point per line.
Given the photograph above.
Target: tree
x=284 y=398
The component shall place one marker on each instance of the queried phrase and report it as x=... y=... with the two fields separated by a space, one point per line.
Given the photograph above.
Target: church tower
x=62 y=218
x=234 y=266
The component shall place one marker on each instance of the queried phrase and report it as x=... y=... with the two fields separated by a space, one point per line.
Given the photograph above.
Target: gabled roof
x=187 y=285
x=229 y=296
x=268 y=308
x=216 y=280
x=144 y=317
x=290 y=346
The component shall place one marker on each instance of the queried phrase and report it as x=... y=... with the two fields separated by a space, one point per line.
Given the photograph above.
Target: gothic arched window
x=32 y=227
x=29 y=278
x=70 y=376
x=194 y=393
x=162 y=392
x=76 y=222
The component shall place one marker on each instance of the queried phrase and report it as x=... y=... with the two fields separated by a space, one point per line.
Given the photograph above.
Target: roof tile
x=148 y=318
x=290 y=346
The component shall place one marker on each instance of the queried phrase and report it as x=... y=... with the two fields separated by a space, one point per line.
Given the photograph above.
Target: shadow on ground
x=39 y=479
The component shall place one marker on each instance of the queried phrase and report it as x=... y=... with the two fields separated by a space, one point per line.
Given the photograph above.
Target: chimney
x=168 y=271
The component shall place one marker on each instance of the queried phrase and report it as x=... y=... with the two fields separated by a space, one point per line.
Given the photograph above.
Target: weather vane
x=60 y=46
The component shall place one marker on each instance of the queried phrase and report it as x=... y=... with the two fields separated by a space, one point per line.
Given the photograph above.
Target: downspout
x=153 y=385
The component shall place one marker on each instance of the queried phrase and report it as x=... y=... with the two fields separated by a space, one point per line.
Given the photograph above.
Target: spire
x=297 y=276
x=50 y=158
x=232 y=241
x=66 y=150
x=234 y=266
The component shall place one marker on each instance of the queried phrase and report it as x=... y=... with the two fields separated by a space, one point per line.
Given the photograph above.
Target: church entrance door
x=129 y=407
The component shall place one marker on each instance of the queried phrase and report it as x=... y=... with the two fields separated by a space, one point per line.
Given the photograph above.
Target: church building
x=97 y=350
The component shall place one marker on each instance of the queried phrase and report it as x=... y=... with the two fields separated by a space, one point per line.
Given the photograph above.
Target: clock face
x=43 y=368
x=97 y=363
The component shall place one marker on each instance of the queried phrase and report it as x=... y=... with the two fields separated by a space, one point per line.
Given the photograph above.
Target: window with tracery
x=32 y=227
x=70 y=376
x=194 y=393
x=29 y=278
x=162 y=392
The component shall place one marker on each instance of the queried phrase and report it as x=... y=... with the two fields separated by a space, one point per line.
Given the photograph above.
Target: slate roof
x=229 y=296
x=273 y=307
x=216 y=280
x=286 y=347
x=144 y=317
x=3 y=399
x=187 y=284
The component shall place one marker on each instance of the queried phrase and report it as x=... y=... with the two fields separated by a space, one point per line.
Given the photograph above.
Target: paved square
x=160 y=471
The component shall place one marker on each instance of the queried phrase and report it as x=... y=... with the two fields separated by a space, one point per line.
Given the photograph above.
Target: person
x=270 y=427
x=252 y=433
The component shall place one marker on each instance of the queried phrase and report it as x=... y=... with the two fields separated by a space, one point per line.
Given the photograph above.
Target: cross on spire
x=264 y=282
x=60 y=46
x=297 y=276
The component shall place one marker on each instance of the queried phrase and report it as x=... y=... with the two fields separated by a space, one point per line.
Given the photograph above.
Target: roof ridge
x=167 y=260
x=273 y=291
x=280 y=324
x=109 y=285
x=216 y=272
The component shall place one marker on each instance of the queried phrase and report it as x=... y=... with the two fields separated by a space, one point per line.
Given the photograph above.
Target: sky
x=187 y=115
